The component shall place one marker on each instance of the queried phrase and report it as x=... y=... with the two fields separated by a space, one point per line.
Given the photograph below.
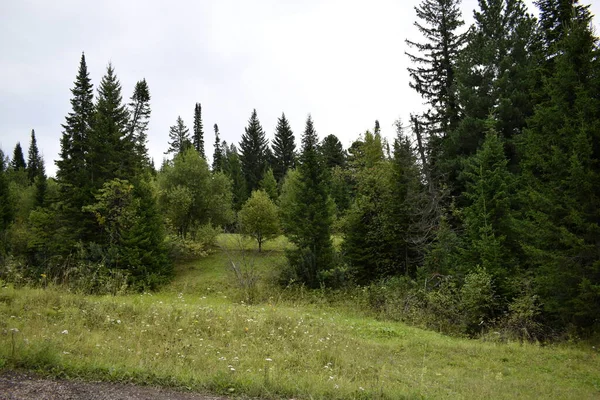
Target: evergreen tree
x=218 y=152
x=180 y=138
x=198 y=136
x=496 y=77
x=139 y=111
x=111 y=147
x=284 y=149
x=6 y=209
x=72 y=173
x=561 y=175
x=253 y=153
x=433 y=75
x=18 y=160
x=309 y=217
x=233 y=169
x=35 y=164
x=332 y=152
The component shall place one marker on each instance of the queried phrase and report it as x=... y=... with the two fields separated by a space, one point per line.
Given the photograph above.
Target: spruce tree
x=18 y=160
x=310 y=219
x=111 y=147
x=433 y=74
x=284 y=149
x=72 y=174
x=6 y=209
x=253 y=153
x=198 y=136
x=233 y=169
x=34 y=160
x=180 y=138
x=218 y=153
x=496 y=77
x=139 y=112
x=332 y=152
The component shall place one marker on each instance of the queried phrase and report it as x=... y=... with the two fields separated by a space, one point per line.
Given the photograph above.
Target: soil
x=29 y=386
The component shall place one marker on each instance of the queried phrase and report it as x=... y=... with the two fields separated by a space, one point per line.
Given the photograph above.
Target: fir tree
x=253 y=153
x=180 y=138
x=111 y=148
x=233 y=169
x=309 y=224
x=198 y=136
x=18 y=160
x=284 y=148
x=139 y=111
x=6 y=209
x=218 y=152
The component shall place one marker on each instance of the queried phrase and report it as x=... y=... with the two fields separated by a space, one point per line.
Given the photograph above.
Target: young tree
x=180 y=138
x=218 y=152
x=259 y=219
x=253 y=148
x=198 y=136
x=269 y=185
x=309 y=216
x=18 y=160
x=284 y=149
x=139 y=111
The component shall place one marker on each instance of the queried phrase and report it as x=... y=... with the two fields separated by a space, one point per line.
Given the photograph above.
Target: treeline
x=483 y=211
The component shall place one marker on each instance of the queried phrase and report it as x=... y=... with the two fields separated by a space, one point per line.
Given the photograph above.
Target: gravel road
x=28 y=386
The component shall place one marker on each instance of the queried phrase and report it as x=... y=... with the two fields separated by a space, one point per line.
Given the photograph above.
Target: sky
x=342 y=61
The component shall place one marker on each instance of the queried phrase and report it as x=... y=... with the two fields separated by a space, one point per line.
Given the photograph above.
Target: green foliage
x=198 y=135
x=18 y=160
x=259 y=218
x=308 y=221
x=139 y=112
x=191 y=196
x=269 y=184
x=218 y=155
x=253 y=153
x=332 y=152
x=179 y=136
x=233 y=169
x=284 y=149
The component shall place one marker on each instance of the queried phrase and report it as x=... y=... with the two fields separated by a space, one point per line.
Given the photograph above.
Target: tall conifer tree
x=180 y=138
x=284 y=148
x=35 y=164
x=253 y=148
x=218 y=153
x=198 y=136
x=18 y=160
x=139 y=112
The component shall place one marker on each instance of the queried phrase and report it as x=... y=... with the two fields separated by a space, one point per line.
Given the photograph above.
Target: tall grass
x=200 y=333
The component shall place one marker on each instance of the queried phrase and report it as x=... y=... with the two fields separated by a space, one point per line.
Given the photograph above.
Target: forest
x=483 y=213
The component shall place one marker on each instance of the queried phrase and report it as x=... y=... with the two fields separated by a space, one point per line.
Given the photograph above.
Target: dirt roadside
x=28 y=386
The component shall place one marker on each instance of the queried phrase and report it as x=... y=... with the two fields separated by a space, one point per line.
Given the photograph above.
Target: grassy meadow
x=210 y=330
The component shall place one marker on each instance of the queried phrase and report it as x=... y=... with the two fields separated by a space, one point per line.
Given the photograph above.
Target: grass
x=198 y=334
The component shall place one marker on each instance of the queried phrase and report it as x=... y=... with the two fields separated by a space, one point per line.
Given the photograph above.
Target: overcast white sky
x=340 y=60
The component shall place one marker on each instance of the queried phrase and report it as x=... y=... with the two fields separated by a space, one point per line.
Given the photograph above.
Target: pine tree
x=218 y=152
x=111 y=147
x=253 y=153
x=72 y=174
x=310 y=219
x=284 y=149
x=139 y=112
x=198 y=136
x=18 y=160
x=6 y=209
x=180 y=138
x=433 y=75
